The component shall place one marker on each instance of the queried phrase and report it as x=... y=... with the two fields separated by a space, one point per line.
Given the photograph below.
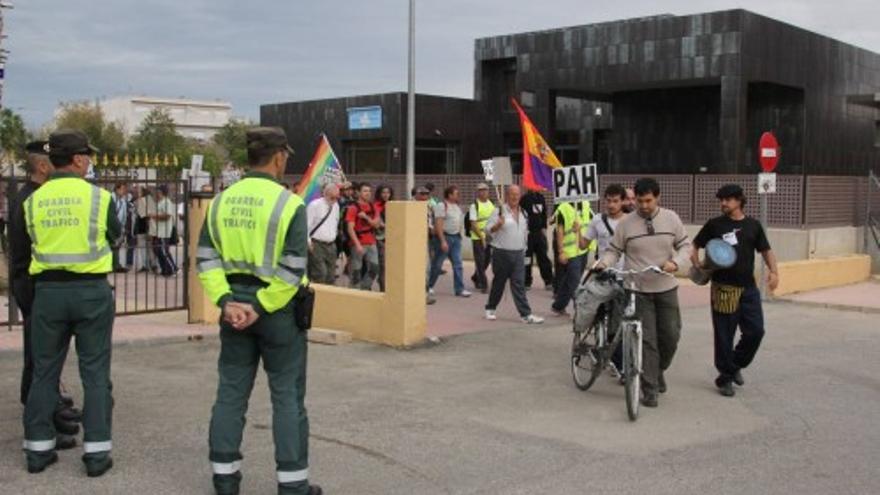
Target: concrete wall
x=397 y=318
x=807 y=275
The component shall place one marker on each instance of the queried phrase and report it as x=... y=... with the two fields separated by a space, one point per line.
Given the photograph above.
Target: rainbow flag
x=538 y=159
x=324 y=168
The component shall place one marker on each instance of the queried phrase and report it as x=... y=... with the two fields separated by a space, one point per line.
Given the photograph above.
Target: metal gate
x=151 y=260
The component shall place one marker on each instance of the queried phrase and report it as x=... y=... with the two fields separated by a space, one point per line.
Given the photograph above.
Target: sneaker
x=661 y=383
x=429 y=299
x=430 y=292
x=533 y=319
x=490 y=315
x=725 y=385
x=465 y=293
x=613 y=371
x=738 y=378
x=649 y=399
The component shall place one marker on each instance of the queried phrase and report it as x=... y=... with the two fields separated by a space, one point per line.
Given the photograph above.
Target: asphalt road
x=495 y=412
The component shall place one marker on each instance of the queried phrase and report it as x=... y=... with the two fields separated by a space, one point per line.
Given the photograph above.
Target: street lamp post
x=411 y=104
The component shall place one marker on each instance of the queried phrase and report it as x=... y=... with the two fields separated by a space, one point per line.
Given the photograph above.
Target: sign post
x=768 y=155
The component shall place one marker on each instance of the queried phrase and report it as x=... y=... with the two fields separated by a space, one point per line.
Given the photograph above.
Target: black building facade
x=664 y=94
x=448 y=132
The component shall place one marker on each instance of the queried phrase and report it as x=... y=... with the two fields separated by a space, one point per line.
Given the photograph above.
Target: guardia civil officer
x=38 y=168
x=71 y=227
x=252 y=259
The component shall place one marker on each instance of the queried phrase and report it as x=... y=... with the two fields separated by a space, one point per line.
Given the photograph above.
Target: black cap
x=268 y=138
x=70 y=142
x=730 y=191
x=38 y=147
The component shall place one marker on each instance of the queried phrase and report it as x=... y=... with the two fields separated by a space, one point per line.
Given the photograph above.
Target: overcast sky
x=263 y=51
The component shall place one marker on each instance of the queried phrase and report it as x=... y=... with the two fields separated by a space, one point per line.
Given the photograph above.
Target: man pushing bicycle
x=653 y=236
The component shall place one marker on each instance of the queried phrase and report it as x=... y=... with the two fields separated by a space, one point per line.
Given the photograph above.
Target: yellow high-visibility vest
x=66 y=219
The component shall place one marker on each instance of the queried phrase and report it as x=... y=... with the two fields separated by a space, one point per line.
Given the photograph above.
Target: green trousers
x=82 y=309
x=282 y=347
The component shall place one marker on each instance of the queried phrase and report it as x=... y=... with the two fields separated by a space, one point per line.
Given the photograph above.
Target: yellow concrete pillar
x=201 y=309
x=404 y=314
x=398 y=317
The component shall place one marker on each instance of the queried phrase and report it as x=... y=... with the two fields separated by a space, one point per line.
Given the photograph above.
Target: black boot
x=65 y=442
x=649 y=399
x=37 y=463
x=227 y=484
x=97 y=465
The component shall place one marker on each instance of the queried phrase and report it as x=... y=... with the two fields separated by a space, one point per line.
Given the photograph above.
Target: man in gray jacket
x=653 y=236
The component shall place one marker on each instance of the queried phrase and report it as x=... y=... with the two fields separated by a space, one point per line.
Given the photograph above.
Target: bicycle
x=591 y=351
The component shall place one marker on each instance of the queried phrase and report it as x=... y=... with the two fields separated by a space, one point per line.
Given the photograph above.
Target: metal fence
x=799 y=201
x=146 y=278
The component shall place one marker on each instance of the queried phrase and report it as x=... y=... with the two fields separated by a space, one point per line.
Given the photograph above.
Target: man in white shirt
x=602 y=226
x=161 y=227
x=323 y=221
x=144 y=259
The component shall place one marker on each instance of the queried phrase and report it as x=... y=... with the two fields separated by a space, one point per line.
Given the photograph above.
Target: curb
x=839 y=307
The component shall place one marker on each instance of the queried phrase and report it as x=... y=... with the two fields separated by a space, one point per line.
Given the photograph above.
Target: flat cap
x=268 y=138
x=37 y=147
x=70 y=142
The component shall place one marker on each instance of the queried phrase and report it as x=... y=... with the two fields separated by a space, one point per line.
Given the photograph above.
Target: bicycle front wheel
x=632 y=368
x=586 y=358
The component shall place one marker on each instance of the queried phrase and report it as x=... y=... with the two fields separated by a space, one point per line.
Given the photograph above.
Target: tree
x=214 y=155
x=88 y=118
x=13 y=135
x=158 y=134
x=232 y=139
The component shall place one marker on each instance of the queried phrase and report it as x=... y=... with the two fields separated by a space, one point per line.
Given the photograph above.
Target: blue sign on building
x=364 y=118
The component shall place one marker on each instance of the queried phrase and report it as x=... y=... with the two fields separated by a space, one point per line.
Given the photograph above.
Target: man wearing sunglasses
x=653 y=236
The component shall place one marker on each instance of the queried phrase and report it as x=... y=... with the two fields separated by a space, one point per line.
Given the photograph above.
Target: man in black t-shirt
x=535 y=208
x=736 y=300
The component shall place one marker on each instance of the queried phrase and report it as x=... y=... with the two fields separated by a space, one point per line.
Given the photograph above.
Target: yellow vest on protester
x=248 y=225
x=571 y=237
x=66 y=219
x=484 y=211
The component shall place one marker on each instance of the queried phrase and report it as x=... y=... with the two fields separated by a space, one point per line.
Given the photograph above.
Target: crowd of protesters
x=150 y=221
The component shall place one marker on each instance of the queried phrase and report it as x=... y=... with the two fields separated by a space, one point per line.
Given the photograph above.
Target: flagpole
x=411 y=104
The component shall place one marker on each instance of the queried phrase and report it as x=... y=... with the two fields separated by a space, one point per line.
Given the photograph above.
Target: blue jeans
x=454 y=255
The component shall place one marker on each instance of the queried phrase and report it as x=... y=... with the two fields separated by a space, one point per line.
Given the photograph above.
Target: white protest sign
x=503 y=174
x=488 y=170
x=767 y=183
x=576 y=182
x=196 y=164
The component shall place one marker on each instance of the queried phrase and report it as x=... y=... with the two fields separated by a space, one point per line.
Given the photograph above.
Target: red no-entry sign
x=769 y=152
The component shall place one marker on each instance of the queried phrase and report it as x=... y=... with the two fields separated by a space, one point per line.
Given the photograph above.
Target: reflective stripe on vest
x=210 y=258
x=97 y=257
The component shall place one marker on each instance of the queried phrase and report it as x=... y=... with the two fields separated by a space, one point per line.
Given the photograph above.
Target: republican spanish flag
x=538 y=159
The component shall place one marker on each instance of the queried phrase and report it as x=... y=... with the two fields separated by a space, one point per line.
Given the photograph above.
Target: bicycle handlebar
x=650 y=269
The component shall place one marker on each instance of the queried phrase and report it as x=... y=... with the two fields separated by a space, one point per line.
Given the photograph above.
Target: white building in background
x=199 y=119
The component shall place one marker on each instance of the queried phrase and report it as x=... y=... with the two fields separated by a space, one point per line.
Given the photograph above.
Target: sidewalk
x=863 y=297
x=171 y=326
